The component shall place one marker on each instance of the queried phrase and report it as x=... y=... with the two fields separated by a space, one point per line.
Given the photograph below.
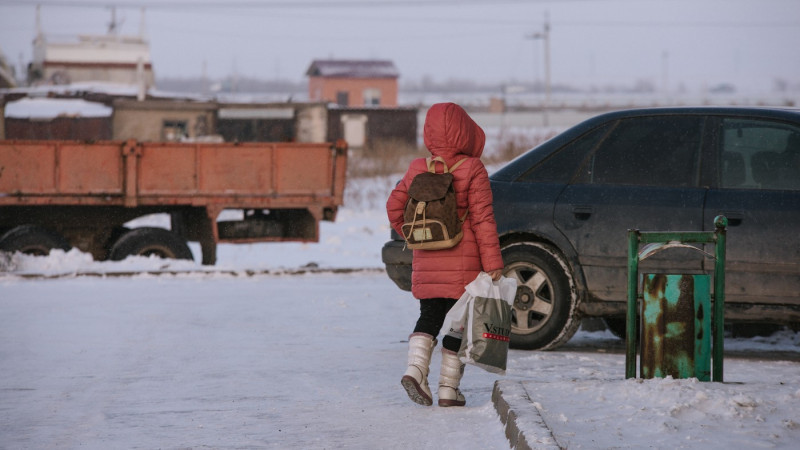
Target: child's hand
x=495 y=274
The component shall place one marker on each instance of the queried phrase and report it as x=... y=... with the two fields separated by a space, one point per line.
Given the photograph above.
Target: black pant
x=432 y=312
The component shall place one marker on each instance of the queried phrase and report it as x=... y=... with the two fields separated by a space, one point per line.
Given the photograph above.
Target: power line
x=678 y=24
x=255 y=4
x=194 y=6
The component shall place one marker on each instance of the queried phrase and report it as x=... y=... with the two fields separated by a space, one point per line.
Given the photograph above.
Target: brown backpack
x=430 y=220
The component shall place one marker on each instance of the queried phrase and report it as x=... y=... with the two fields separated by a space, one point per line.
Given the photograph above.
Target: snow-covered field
x=246 y=355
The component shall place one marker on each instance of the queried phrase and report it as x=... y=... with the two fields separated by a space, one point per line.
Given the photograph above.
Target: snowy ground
x=244 y=355
x=218 y=361
x=314 y=361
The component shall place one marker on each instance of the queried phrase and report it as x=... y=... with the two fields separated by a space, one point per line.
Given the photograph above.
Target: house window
x=173 y=130
x=372 y=97
x=343 y=98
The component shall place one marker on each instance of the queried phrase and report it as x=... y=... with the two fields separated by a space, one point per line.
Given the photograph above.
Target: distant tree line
x=425 y=84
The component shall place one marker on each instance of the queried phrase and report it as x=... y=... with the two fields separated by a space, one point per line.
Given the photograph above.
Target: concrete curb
x=525 y=427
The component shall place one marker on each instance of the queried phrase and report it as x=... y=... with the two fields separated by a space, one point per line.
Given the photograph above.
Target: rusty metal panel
x=167 y=169
x=225 y=175
x=242 y=169
x=304 y=169
x=675 y=326
x=90 y=169
x=702 y=328
x=27 y=167
x=247 y=169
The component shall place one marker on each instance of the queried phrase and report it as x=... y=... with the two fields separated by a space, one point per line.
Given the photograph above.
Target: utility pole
x=665 y=75
x=142 y=32
x=113 y=26
x=544 y=35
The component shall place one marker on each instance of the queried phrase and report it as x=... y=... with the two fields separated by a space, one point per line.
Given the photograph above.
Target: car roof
x=764 y=111
x=514 y=168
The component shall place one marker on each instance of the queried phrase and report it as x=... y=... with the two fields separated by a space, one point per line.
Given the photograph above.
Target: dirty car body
x=563 y=210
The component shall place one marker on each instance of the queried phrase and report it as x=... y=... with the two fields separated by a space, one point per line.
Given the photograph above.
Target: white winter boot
x=415 y=380
x=449 y=379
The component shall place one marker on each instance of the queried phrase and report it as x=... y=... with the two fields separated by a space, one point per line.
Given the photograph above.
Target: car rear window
x=759 y=154
x=648 y=151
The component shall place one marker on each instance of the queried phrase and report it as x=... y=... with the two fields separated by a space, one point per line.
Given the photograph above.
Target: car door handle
x=734 y=218
x=582 y=212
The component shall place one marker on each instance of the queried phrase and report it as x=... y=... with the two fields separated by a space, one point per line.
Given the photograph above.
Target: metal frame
x=662 y=241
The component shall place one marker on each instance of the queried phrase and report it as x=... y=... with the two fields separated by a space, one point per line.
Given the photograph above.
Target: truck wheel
x=545 y=312
x=150 y=241
x=32 y=240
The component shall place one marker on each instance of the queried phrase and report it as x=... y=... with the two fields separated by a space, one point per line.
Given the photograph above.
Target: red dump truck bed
x=85 y=191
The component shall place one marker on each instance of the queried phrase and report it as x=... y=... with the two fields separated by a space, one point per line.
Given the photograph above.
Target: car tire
x=150 y=241
x=32 y=240
x=545 y=312
x=618 y=326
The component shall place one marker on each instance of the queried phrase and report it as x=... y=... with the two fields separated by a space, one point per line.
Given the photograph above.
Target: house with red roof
x=353 y=83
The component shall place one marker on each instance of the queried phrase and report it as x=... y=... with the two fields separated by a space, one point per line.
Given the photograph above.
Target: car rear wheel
x=618 y=326
x=545 y=312
x=149 y=241
x=32 y=240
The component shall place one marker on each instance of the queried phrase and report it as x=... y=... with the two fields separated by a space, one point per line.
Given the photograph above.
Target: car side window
x=562 y=164
x=648 y=151
x=759 y=154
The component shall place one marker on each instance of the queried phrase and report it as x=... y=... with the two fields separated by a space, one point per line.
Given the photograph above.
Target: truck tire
x=545 y=311
x=32 y=240
x=149 y=241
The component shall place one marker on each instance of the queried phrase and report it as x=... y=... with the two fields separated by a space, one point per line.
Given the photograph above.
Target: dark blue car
x=563 y=210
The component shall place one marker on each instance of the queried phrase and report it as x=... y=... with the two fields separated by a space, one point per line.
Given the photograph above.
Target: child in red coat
x=439 y=276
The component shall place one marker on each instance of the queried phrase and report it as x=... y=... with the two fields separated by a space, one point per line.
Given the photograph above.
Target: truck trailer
x=64 y=194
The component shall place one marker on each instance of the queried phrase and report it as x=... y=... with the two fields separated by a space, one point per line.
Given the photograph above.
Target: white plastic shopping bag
x=456 y=318
x=482 y=319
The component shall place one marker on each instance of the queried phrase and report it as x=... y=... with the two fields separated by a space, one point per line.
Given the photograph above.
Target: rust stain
x=668 y=317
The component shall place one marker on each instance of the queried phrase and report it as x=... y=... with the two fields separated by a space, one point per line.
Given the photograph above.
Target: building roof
x=50 y=108
x=344 y=68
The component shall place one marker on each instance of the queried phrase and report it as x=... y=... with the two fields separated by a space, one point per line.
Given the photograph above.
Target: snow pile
x=50 y=108
x=587 y=404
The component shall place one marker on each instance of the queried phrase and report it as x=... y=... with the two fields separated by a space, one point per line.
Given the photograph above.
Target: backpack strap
x=432 y=164
x=456 y=165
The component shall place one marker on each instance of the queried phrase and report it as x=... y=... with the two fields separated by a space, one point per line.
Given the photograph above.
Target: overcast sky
x=690 y=43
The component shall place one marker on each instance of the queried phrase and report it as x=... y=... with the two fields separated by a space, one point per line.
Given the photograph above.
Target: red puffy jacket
x=450 y=133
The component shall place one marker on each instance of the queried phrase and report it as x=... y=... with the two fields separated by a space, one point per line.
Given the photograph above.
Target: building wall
x=74 y=73
x=379 y=124
x=275 y=122
x=162 y=120
x=326 y=89
x=111 y=58
x=312 y=123
x=60 y=128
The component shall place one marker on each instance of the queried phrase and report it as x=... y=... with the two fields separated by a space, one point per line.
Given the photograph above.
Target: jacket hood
x=449 y=131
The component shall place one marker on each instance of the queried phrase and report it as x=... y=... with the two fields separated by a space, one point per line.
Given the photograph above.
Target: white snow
x=244 y=355
x=50 y=108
